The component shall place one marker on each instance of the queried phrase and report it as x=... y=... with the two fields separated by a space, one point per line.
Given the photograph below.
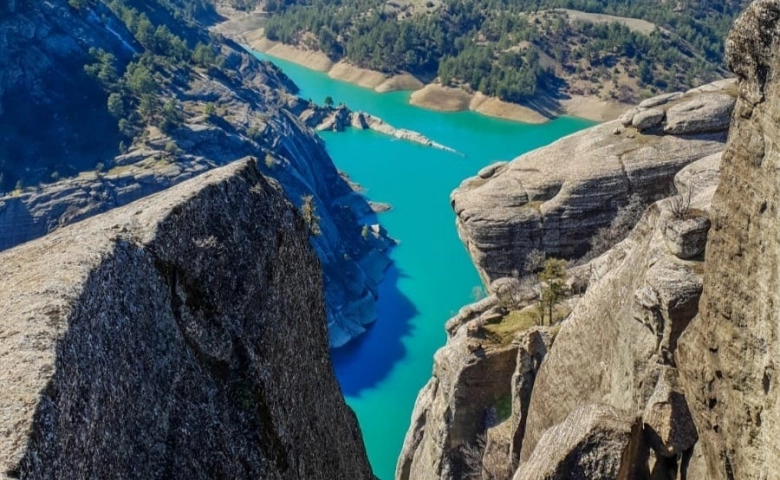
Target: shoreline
x=435 y=96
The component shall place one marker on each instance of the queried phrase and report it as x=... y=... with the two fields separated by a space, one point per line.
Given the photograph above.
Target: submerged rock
x=183 y=335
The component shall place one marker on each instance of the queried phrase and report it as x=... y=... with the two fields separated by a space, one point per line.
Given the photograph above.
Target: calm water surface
x=433 y=276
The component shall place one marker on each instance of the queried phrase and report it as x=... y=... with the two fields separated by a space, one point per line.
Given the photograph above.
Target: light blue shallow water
x=432 y=277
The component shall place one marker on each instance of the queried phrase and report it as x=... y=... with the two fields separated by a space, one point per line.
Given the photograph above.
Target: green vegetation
x=553 y=278
x=513 y=48
x=309 y=213
x=512 y=323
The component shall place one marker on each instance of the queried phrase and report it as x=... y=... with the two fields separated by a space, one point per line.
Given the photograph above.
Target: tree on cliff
x=553 y=279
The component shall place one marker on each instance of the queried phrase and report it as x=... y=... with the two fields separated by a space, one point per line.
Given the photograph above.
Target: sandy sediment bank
x=435 y=96
x=342 y=70
x=447 y=99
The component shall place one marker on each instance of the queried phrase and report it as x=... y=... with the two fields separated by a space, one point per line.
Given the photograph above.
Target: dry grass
x=515 y=321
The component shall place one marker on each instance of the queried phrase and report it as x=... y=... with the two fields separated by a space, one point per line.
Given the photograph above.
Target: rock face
x=469 y=380
x=180 y=336
x=613 y=360
x=550 y=201
x=39 y=46
x=476 y=403
x=617 y=347
x=591 y=444
x=728 y=355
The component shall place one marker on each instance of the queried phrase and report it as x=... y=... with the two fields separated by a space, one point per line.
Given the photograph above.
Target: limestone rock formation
x=471 y=415
x=180 y=336
x=728 y=355
x=614 y=353
x=470 y=377
x=552 y=201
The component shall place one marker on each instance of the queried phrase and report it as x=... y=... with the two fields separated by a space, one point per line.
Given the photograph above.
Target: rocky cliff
x=664 y=369
x=183 y=335
x=728 y=355
x=554 y=199
x=603 y=375
x=48 y=131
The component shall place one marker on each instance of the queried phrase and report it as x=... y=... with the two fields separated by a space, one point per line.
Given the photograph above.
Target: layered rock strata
x=183 y=335
x=555 y=198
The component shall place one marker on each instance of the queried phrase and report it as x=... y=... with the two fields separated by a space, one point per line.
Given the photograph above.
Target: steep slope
x=181 y=111
x=728 y=355
x=182 y=336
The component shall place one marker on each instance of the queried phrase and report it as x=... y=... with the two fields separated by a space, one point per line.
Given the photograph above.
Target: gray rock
x=592 y=443
x=660 y=100
x=182 y=335
x=470 y=377
x=546 y=200
x=727 y=357
x=707 y=113
x=668 y=424
x=687 y=238
x=622 y=334
x=646 y=119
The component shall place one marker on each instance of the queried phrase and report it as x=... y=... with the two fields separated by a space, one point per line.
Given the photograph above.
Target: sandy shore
x=342 y=70
x=433 y=96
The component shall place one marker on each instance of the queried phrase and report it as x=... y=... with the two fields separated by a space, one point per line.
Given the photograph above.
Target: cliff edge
x=183 y=335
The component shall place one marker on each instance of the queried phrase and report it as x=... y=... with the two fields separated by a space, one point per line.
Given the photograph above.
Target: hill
x=516 y=50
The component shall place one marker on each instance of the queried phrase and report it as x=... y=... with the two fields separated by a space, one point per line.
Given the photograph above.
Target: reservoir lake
x=432 y=276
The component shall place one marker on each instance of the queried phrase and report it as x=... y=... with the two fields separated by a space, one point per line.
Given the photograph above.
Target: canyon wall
x=183 y=335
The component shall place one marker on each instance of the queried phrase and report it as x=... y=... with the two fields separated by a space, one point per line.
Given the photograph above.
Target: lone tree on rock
x=553 y=278
x=329 y=101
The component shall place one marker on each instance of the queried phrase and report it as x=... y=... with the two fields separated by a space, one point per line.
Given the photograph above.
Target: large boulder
x=181 y=336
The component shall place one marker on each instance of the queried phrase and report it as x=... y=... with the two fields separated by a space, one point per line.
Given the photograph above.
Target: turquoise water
x=432 y=277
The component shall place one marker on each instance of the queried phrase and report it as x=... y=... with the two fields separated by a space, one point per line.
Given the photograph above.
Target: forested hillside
x=120 y=65
x=514 y=48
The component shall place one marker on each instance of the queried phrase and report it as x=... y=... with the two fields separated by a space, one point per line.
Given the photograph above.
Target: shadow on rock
x=366 y=361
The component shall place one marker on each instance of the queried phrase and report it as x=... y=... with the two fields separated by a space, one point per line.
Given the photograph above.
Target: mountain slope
x=105 y=102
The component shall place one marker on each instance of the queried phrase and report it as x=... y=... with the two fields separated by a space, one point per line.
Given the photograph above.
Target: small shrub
x=309 y=213
x=680 y=204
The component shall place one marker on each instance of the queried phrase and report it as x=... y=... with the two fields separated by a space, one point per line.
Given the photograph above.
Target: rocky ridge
x=546 y=200
x=728 y=355
x=630 y=340
x=252 y=119
x=183 y=335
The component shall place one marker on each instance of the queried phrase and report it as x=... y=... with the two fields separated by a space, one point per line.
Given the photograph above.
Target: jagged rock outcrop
x=549 y=200
x=43 y=49
x=475 y=404
x=593 y=443
x=614 y=353
x=470 y=378
x=183 y=335
x=728 y=355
